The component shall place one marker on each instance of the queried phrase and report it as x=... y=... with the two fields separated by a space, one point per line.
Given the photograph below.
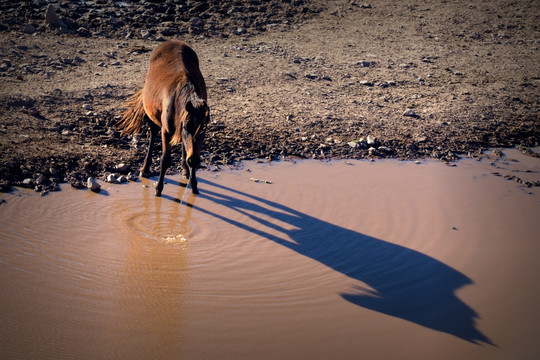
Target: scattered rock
x=122 y=168
x=111 y=178
x=40 y=179
x=239 y=31
x=29 y=29
x=52 y=19
x=76 y=183
x=132 y=176
x=364 y=63
x=93 y=185
x=410 y=113
x=121 y=179
x=82 y=31
x=5 y=186
x=28 y=182
x=371 y=140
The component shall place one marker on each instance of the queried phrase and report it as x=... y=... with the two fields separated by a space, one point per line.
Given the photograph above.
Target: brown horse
x=173 y=98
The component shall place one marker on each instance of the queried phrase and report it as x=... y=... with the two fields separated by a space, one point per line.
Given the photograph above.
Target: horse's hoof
x=194 y=191
x=158 y=193
x=145 y=174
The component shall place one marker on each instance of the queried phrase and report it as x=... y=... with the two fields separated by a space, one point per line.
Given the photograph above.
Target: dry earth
x=308 y=79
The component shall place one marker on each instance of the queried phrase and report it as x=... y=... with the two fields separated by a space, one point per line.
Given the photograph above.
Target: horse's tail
x=133 y=118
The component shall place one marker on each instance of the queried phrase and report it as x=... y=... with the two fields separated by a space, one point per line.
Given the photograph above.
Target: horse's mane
x=184 y=98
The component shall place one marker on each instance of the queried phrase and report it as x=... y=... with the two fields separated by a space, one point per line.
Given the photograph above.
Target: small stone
x=385 y=149
x=365 y=63
x=410 y=112
x=132 y=176
x=239 y=31
x=111 y=178
x=87 y=107
x=93 y=185
x=371 y=140
x=40 y=179
x=29 y=29
x=27 y=182
x=76 y=183
x=311 y=76
x=353 y=144
x=121 y=167
x=33 y=111
x=121 y=179
x=420 y=138
x=82 y=31
x=366 y=83
x=54 y=171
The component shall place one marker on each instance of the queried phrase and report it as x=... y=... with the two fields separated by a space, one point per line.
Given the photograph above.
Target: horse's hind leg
x=165 y=161
x=145 y=170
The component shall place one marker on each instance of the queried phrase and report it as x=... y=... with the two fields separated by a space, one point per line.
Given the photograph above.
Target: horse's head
x=193 y=132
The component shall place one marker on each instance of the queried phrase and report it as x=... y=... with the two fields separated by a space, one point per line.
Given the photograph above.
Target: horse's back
x=173 y=63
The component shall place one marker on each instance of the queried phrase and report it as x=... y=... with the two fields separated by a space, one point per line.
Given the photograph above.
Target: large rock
x=52 y=19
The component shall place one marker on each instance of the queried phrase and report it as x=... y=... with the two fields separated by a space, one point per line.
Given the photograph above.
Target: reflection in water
x=155 y=278
x=406 y=283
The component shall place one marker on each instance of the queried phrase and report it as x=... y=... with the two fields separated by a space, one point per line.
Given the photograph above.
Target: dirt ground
x=296 y=78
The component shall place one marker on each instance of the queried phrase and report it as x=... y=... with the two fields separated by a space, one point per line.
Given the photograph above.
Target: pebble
x=121 y=167
x=87 y=107
x=132 y=176
x=260 y=181
x=371 y=140
x=239 y=31
x=410 y=112
x=29 y=29
x=353 y=144
x=121 y=179
x=364 y=63
x=40 y=179
x=27 y=182
x=111 y=178
x=93 y=185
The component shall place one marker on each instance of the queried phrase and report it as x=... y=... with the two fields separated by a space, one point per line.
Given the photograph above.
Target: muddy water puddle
x=339 y=260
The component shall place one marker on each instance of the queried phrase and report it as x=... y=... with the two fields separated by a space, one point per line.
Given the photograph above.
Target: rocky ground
x=297 y=78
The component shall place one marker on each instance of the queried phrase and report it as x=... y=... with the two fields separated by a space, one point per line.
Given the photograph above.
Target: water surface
x=340 y=260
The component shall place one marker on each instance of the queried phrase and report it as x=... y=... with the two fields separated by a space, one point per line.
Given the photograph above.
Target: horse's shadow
x=404 y=283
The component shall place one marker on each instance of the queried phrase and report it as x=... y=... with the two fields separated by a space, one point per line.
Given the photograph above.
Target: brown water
x=341 y=260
